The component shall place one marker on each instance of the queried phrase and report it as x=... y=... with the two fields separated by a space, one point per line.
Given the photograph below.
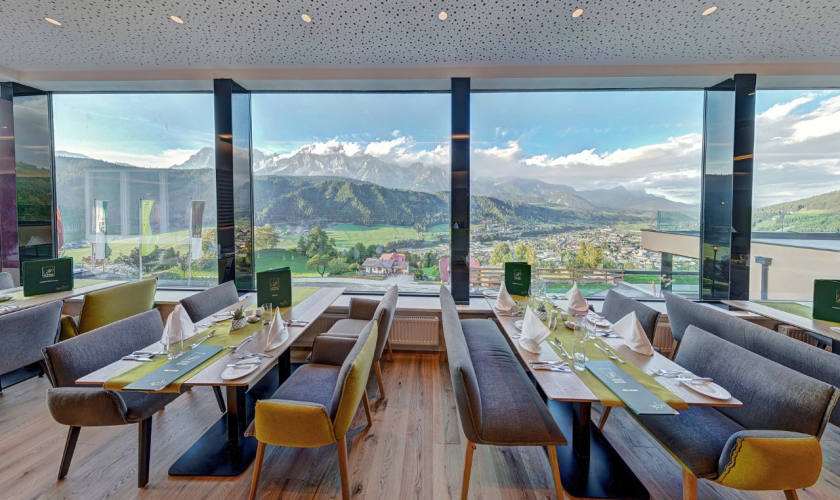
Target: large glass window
x=135 y=186
x=352 y=190
x=599 y=188
x=796 y=193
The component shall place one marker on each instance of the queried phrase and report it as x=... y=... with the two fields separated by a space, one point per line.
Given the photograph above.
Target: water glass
x=174 y=344
x=579 y=355
x=268 y=311
x=580 y=326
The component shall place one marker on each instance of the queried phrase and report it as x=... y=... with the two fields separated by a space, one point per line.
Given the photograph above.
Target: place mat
x=635 y=396
x=567 y=338
x=223 y=337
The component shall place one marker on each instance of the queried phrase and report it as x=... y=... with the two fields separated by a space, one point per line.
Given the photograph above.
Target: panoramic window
x=796 y=193
x=352 y=190
x=598 y=188
x=135 y=186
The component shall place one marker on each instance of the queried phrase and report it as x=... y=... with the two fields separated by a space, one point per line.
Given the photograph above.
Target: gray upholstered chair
x=203 y=305
x=362 y=311
x=617 y=306
x=771 y=443
x=84 y=406
x=497 y=404
x=796 y=355
x=24 y=333
x=6 y=281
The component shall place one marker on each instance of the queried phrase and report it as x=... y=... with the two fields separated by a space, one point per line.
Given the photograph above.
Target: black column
x=232 y=105
x=460 y=190
x=9 y=256
x=742 y=187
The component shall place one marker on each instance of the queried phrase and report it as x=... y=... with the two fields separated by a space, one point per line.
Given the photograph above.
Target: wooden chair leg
x=689 y=485
x=255 y=481
x=791 y=495
x=604 y=416
x=69 y=448
x=366 y=403
x=390 y=351
x=144 y=451
x=217 y=391
x=555 y=471
x=465 y=485
x=342 y=468
x=673 y=353
x=378 y=367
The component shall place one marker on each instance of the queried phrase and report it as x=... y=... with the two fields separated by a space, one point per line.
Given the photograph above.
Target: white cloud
x=382 y=148
x=165 y=159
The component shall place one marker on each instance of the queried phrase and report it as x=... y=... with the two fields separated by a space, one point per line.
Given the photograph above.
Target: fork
x=609 y=354
x=198 y=343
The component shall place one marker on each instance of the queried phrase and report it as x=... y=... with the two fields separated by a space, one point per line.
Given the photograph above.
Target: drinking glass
x=268 y=311
x=176 y=348
x=580 y=326
x=579 y=355
x=590 y=328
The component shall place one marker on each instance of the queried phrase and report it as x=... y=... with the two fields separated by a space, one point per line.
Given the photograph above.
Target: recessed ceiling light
x=52 y=21
x=177 y=19
x=306 y=18
x=443 y=15
x=710 y=10
x=577 y=13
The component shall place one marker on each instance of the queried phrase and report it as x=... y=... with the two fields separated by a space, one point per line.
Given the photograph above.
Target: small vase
x=237 y=324
x=542 y=313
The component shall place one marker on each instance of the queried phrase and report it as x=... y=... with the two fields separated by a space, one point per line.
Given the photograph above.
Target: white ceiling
x=126 y=39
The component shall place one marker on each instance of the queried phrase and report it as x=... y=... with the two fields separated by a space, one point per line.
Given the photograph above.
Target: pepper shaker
x=552 y=323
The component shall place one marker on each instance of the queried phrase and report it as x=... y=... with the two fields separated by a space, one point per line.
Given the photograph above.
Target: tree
x=183 y=262
x=316 y=242
x=588 y=256
x=318 y=263
x=266 y=237
x=338 y=266
x=525 y=253
x=500 y=254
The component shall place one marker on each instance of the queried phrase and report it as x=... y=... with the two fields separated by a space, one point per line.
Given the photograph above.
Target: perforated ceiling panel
x=138 y=34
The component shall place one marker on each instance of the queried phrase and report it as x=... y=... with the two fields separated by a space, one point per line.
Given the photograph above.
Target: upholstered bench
x=771 y=443
x=497 y=403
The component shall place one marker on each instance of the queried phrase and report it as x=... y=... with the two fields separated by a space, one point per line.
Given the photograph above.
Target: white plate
x=235 y=372
x=4 y=298
x=518 y=325
x=490 y=293
x=709 y=389
x=221 y=316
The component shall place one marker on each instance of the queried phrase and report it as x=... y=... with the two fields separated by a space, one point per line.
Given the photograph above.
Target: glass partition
x=135 y=186
x=352 y=189
x=601 y=188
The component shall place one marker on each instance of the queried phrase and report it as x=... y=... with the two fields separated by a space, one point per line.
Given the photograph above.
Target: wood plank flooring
x=413 y=451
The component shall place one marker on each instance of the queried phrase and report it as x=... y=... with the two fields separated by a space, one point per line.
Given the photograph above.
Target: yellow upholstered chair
x=315 y=406
x=109 y=306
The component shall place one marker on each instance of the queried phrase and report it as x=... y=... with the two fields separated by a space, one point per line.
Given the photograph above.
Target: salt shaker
x=552 y=323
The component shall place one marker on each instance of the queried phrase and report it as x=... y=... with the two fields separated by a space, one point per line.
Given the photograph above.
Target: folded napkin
x=179 y=321
x=633 y=334
x=504 y=302
x=277 y=332
x=534 y=332
x=577 y=304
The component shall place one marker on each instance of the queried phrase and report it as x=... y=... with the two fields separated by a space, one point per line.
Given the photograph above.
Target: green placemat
x=223 y=337
x=567 y=337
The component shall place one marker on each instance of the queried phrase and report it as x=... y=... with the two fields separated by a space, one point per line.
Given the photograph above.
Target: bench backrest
x=464 y=381
x=774 y=396
x=796 y=355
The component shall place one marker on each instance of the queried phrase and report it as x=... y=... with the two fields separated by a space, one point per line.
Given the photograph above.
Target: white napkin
x=504 y=302
x=577 y=304
x=534 y=332
x=277 y=332
x=179 y=320
x=633 y=334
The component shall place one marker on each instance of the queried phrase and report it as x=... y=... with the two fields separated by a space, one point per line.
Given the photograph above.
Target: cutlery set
x=610 y=354
x=681 y=375
x=554 y=366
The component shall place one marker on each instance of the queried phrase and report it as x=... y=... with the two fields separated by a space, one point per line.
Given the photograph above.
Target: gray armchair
x=362 y=311
x=81 y=406
x=203 y=305
x=6 y=281
x=24 y=333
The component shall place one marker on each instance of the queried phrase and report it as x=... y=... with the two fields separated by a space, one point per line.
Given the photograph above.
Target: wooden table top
x=810 y=325
x=308 y=310
x=564 y=386
x=37 y=300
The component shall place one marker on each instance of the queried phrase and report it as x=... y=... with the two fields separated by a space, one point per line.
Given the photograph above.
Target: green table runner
x=18 y=296
x=567 y=338
x=223 y=337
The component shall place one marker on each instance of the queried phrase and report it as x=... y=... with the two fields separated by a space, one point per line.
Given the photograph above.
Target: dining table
x=224 y=450
x=591 y=468
x=798 y=314
x=18 y=302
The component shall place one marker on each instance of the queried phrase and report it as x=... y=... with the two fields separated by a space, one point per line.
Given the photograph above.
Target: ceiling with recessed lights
x=216 y=34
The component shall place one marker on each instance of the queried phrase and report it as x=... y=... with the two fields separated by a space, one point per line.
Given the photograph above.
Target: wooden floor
x=413 y=451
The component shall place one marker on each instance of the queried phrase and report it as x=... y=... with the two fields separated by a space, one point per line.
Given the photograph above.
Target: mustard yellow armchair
x=109 y=306
x=315 y=406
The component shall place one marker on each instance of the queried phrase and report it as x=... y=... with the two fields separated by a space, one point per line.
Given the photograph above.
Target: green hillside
x=819 y=213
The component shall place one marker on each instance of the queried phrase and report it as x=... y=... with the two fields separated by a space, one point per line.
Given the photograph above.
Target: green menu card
x=275 y=286
x=47 y=276
x=517 y=278
x=827 y=300
x=633 y=394
x=172 y=371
